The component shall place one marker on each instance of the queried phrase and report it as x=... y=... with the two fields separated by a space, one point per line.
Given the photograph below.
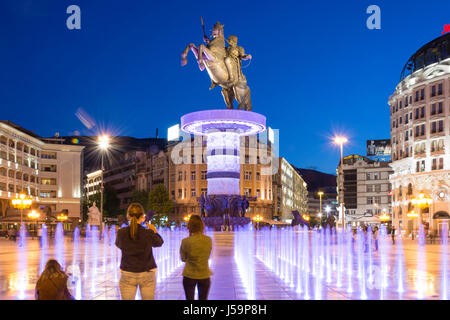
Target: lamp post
x=257 y=219
x=34 y=215
x=340 y=141
x=22 y=201
x=421 y=201
x=103 y=142
x=320 y=193
x=412 y=215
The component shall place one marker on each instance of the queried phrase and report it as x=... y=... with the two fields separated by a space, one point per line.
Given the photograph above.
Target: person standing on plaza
x=137 y=266
x=195 y=251
x=52 y=284
x=375 y=237
x=393 y=234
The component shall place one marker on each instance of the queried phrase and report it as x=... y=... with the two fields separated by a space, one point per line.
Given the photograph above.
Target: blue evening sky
x=316 y=69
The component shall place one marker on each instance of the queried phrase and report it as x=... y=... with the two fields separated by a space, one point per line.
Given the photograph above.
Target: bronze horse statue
x=223 y=66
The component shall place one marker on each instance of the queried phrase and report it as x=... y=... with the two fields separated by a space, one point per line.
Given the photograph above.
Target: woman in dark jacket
x=52 y=284
x=137 y=265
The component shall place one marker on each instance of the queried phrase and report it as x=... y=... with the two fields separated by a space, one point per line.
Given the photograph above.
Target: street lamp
x=186 y=218
x=34 y=215
x=62 y=217
x=421 y=201
x=103 y=143
x=320 y=193
x=340 y=141
x=22 y=201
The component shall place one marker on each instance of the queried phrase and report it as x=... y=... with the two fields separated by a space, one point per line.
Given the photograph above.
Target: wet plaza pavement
x=227 y=281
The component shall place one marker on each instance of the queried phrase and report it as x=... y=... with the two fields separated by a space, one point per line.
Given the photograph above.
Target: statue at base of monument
x=94 y=216
x=223 y=65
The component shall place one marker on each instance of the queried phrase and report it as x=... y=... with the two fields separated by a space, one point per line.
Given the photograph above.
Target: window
x=422 y=112
x=368 y=176
x=440 y=125
x=258 y=193
x=376 y=176
x=441 y=163
x=369 y=200
x=204 y=192
x=422 y=94
x=410 y=190
x=439 y=88
x=417 y=96
x=433 y=109
x=248 y=192
x=434 y=164
x=440 y=108
x=180 y=193
x=258 y=176
x=369 y=188
x=204 y=175
x=193 y=195
x=433 y=91
x=193 y=176
x=48 y=181
x=180 y=175
x=433 y=127
x=417 y=114
x=247 y=175
x=378 y=188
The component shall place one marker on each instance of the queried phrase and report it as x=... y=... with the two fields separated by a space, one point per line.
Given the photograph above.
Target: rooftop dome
x=434 y=51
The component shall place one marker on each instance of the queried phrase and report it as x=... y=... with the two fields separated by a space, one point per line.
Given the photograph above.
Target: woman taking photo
x=195 y=251
x=137 y=266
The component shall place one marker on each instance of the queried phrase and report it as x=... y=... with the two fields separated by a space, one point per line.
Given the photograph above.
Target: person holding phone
x=137 y=266
x=195 y=251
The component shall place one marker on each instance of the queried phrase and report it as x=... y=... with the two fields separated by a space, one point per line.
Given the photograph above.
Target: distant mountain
x=317 y=180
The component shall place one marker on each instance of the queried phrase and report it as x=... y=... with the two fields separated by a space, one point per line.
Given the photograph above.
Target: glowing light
x=34 y=215
x=340 y=140
x=412 y=215
x=103 y=142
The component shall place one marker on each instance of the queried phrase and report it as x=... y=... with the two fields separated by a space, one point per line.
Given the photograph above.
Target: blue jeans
x=129 y=282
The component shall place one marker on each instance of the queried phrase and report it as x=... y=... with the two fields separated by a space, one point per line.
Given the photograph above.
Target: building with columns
x=420 y=137
x=43 y=168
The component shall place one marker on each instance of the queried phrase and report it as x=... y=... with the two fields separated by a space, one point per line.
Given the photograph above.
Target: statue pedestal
x=223 y=129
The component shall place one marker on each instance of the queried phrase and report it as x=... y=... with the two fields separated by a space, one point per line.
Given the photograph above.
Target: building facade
x=290 y=192
x=366 y=190
x=43 y=168
x=420 y=138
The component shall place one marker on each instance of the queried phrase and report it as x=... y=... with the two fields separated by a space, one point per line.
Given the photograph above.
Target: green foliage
x=159 y=201
x=140 y=197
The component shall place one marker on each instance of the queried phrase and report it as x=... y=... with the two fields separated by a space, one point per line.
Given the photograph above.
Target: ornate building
x=420 y=138
x=44 y=168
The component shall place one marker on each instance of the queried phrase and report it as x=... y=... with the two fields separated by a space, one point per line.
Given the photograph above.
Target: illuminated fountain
x=223 y=130
x=44 y=248
x=59 y=244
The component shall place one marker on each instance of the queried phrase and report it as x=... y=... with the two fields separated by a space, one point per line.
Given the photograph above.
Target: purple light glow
x=245 y=123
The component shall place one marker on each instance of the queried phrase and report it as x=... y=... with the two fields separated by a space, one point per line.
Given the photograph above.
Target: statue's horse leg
x=204 y=54
x=194 y=50
x=228 y=96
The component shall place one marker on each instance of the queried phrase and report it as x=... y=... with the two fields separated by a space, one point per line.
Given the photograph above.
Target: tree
x=140 y=197
x=159 y=201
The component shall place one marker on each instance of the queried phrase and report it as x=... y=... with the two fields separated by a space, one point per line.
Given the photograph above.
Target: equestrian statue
x=223 y=64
